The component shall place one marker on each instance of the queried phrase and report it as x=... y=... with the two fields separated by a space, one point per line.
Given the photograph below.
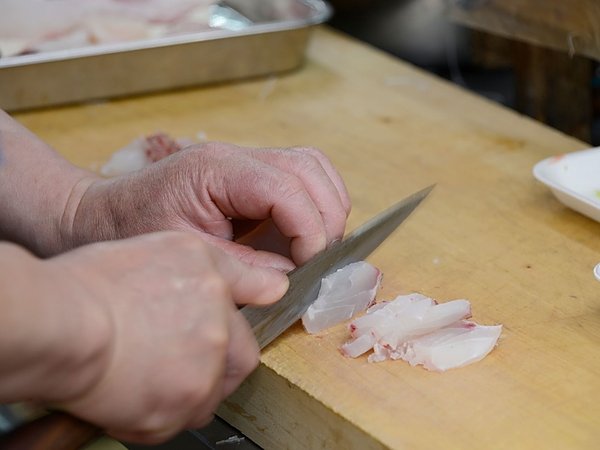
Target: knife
x=60 y=431
x=305 y=281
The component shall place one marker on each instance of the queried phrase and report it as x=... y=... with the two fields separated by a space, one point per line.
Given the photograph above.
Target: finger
x=243 y=356
x=249 y=284
x=268 y=238
x=284 y=198
x=250 y=255
x=332 y=173
x=255 y=190
x=317 y=183
x=243 y=227
x=178 y=183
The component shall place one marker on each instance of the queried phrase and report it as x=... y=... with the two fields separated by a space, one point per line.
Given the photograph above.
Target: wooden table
x=489 y=233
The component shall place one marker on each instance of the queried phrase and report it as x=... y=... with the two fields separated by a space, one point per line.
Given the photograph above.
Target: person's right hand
x=175 y=343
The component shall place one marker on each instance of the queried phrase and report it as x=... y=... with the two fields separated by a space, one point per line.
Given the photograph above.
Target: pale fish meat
x=342 y=295
x=418 y=330
x=455 y=346
x=33 y=26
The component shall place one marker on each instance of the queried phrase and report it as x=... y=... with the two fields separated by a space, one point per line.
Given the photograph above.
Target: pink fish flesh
x=409 y=316
x=32 y=26
x=142 y=152
x=418 y=330
x=343 y=294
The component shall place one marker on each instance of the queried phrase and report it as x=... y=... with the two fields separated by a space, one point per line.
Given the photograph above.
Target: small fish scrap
x=413 y=327
x=141 y=153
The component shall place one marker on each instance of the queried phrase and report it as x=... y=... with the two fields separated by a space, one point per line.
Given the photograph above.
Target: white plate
x=574 y=179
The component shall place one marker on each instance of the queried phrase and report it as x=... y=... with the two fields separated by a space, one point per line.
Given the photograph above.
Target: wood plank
x=572 y=26
x=489 y=233
x=554 y=88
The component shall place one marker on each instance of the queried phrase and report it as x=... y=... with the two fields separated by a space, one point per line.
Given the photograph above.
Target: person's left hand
x=221 y=192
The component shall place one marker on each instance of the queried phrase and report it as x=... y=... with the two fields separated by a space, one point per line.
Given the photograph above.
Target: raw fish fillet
x=409 y=316
x=343 y=294
x=454 y=346
x=32 y=26
x=418 y=330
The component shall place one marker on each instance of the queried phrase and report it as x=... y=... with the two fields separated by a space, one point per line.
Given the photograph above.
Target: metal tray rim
x=322 y=12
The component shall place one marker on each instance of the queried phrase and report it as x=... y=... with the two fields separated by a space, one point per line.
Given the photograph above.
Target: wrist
x=90 y=214
x=36 y=184
x=85 y=217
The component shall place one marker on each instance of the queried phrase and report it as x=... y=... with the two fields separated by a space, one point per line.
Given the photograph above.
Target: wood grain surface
x=489 y=233
x=572 y=26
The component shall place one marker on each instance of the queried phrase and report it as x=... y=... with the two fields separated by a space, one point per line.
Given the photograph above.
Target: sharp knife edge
x=269 y=322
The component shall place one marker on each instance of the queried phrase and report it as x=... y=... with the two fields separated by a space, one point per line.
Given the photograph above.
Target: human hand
x=175 y=344
x=220 y=191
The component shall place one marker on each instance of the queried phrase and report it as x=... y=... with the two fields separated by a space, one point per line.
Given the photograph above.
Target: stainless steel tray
x=257 y=37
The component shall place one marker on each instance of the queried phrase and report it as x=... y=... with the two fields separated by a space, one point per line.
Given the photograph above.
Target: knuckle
x=312 y=151
x=214 y=285
x=290 y=185
x=215 y=148
x=193 y=393
x=215 y=336
x=217 y=339
x=308 y=159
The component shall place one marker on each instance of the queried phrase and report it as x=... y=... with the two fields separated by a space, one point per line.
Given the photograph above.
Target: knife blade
x=269 y=322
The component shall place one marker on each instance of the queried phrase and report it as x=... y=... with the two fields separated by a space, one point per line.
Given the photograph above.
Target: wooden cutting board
x=489 y=233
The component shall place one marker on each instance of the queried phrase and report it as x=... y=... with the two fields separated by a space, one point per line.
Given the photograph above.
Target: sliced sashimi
x=417 y=329
x=342 y=295
x=451 y=347
x=408 y=316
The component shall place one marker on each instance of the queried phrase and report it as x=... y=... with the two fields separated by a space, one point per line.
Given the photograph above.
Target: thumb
x=250 y=284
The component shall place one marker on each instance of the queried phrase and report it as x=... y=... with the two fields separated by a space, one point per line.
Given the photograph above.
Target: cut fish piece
x=417 y=329
x=451 y=347
x=408 y=316
x=358 y=346
x=343 y=294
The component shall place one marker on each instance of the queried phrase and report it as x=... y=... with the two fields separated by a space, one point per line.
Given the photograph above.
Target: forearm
x=38 y=191
x=52 y=338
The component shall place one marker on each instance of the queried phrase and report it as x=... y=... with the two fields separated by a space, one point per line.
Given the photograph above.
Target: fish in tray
x=34 y=26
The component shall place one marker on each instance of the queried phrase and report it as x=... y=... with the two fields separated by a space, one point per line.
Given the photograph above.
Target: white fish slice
x=419 y=317
x=451 y=347
x=358 y=346
x=382 y=316
x=343 y=294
